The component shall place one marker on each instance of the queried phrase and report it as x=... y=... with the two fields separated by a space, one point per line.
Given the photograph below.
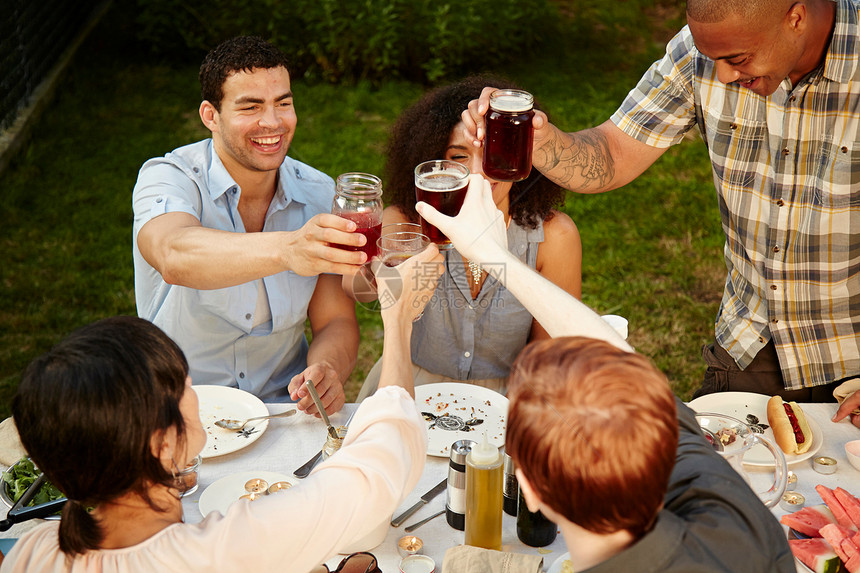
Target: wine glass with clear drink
x=399 y=242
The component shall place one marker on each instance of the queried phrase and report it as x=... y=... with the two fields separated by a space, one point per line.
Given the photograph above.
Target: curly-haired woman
x=473 y=328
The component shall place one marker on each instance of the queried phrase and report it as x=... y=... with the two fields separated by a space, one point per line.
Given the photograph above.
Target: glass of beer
x=442 y=184
x=399 y=241
x=509 y=136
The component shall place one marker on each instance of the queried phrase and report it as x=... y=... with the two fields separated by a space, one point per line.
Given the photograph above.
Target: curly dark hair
x=233 y=55
x=422 y=133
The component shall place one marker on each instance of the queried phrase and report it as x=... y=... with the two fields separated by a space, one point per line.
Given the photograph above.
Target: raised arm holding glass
x=235 y=246
x=772 y=86
x=602 y=447
x=473 y=328
x=110 y=416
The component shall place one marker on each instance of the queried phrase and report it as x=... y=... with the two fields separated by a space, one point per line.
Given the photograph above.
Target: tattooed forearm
x=578 y=161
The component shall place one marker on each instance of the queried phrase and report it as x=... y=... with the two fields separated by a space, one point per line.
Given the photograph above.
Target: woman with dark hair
x=110 y=416
x=473 y=328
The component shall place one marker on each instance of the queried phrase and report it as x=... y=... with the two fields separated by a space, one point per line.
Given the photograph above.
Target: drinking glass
x=399 y=241
x=509 y=136
x=358 y=197
x=188 y=478
x=442 y=184
x=732 y=438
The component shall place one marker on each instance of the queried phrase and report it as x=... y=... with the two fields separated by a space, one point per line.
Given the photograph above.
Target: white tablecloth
x=289 y=442
x=835 y=437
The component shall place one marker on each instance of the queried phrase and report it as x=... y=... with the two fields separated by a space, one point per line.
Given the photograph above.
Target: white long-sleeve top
x=343 y=501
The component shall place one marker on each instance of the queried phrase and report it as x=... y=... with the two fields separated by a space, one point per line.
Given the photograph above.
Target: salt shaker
x=455 y=506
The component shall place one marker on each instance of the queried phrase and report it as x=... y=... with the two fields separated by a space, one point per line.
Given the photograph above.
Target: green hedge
x=348 y=40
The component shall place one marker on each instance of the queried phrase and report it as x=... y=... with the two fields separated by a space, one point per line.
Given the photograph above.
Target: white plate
x=558 y=564
x=464 y=401
x=221 y=494
x=217 y=402
x=738 y=405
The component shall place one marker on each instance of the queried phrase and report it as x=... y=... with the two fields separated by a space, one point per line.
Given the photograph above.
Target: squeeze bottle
x=484 y=477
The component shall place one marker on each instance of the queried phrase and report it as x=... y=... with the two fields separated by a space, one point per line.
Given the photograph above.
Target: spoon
x=228 y=424
x=316 y=398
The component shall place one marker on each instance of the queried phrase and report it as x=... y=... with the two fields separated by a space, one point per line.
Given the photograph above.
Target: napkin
x=466 y=559
x=845 y=389
x=11 y=449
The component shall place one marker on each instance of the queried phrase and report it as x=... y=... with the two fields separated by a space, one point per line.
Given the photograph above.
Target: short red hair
x=594 y=429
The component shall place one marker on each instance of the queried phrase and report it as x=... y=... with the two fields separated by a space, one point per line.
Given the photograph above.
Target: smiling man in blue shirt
x=234 y=246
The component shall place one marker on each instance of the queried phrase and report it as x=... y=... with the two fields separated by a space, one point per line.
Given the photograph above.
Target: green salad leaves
x=20 y=476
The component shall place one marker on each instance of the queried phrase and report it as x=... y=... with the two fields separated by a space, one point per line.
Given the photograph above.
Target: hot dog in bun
x=790 y=428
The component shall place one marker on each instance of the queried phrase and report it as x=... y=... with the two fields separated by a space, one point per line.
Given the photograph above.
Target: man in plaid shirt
x=774 y=89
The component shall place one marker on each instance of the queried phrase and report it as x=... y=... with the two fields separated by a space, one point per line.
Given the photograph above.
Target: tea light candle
x=792 y=501
x=251 y=496
x=279 y=486
x=417 y=564
x=792 y=479
x=824 y=465
x=256 y=485
x=409 y=545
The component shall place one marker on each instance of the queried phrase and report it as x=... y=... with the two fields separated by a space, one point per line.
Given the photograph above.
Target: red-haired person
x=603 y=450
x=602 y=446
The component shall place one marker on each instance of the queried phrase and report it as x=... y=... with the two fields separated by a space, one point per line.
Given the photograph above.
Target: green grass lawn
x=652 y=251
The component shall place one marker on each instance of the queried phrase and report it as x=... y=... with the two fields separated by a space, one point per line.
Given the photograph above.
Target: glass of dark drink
x=442 y=184
x=358 y=197
x=509 y=136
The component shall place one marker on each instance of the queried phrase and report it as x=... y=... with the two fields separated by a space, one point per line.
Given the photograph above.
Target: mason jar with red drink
x=358 y=197
x=509 y=136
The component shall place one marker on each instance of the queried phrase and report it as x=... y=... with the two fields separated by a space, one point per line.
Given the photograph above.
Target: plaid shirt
x=787 y=173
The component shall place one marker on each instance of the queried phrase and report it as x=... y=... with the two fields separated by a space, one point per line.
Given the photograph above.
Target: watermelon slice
x=809 y=520
x=835 y=535
x=850 y=504
x=849 y=549
x=816 y=554
x=829 y=497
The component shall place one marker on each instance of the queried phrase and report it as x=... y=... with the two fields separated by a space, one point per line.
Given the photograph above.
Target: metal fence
x=33 y=38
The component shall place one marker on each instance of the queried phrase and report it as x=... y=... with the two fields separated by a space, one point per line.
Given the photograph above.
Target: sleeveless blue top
x=467 y=339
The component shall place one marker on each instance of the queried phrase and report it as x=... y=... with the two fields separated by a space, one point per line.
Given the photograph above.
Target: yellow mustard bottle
x=484 y=478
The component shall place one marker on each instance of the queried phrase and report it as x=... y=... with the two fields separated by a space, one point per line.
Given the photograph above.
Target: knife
x=303 y=471
x=414 y=526
x=437 y=489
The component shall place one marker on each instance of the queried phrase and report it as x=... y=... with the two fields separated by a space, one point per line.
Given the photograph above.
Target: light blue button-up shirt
x=215 y=327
